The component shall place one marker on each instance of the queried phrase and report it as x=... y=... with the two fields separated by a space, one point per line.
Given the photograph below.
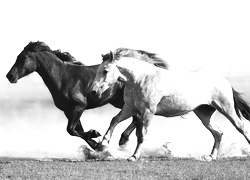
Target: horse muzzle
x=96 y=94
x=12 y=78
x=95 y=91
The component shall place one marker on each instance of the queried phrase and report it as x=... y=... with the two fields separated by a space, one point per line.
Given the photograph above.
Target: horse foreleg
x=74 y=127
x=90 y=134
x=141 y=131
x=124 y=114
x=125 y=135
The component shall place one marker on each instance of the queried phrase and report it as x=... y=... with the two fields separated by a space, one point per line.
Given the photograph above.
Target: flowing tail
x=241 y=106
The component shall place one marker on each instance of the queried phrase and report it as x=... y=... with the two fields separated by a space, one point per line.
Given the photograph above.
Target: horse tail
x=241 y=106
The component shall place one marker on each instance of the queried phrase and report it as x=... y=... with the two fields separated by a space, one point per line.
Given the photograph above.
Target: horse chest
x=66 y=98
x=140 y=97
x=61 y=101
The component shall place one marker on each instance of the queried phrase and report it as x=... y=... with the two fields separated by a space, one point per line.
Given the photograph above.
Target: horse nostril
x=93 y=93
x=9 y=76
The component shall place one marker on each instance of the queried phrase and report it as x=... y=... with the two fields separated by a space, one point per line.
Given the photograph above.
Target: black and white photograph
x=124 y=89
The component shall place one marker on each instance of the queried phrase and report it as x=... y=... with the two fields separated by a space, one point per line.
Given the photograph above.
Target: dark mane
x=138 y=54
x=37 y=46
x=66 y=57
x=41 y=46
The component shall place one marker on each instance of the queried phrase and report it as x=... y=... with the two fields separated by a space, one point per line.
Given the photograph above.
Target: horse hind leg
x=230 y=113
x=206 y=115
x=239 y=125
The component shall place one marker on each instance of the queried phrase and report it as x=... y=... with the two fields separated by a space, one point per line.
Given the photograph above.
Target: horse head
x=25 y=63
x=107 y=75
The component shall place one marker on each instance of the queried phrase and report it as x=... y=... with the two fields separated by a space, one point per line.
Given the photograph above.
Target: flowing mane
x=41 y=46
x=138 y=54
x=67 y=57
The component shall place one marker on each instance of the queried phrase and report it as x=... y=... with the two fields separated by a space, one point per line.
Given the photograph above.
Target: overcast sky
x=188 y=34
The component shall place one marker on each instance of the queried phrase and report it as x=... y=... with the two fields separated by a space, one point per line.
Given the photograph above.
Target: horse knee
x=217 y=136
x=71 y=131
x=140 y=139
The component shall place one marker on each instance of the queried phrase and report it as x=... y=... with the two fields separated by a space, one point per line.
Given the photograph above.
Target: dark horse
x=68 y=81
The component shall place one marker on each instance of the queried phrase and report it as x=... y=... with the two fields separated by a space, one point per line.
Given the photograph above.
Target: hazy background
x=188 y=34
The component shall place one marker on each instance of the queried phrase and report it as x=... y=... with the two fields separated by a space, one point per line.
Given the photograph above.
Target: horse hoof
x=93 y=133
x=122 y=147
x=109 y=158
x=207 y=158
x=123 y=141
x=132 y=159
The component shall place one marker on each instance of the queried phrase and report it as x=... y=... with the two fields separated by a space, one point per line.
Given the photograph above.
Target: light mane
x=138 y=54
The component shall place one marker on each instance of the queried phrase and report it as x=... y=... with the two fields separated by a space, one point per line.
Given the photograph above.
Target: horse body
x=71 y=87
x=68 y=83
x=169 y=93
x=152 y=90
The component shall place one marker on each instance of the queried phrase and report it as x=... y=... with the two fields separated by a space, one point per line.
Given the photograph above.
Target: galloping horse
x=152 y=90
x=68 y=81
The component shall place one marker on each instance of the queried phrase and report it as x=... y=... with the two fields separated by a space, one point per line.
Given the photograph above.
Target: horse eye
x=105 y=71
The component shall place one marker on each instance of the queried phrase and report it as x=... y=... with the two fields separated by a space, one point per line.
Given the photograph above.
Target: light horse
x=152 y=90
x=68 y=81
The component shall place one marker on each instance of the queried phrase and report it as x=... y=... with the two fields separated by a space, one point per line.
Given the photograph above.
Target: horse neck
x=134 y=69
x=50 y=69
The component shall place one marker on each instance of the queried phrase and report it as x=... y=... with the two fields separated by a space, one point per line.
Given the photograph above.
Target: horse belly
x=171 y=107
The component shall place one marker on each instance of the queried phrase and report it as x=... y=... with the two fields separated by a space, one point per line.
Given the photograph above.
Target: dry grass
x=154 y=168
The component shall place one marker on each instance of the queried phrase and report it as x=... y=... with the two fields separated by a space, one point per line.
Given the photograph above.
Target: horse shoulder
x=74 y=85
x=140 y=97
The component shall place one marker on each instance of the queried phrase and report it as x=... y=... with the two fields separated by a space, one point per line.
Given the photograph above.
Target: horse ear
x=102 y=56
x=111 y=56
